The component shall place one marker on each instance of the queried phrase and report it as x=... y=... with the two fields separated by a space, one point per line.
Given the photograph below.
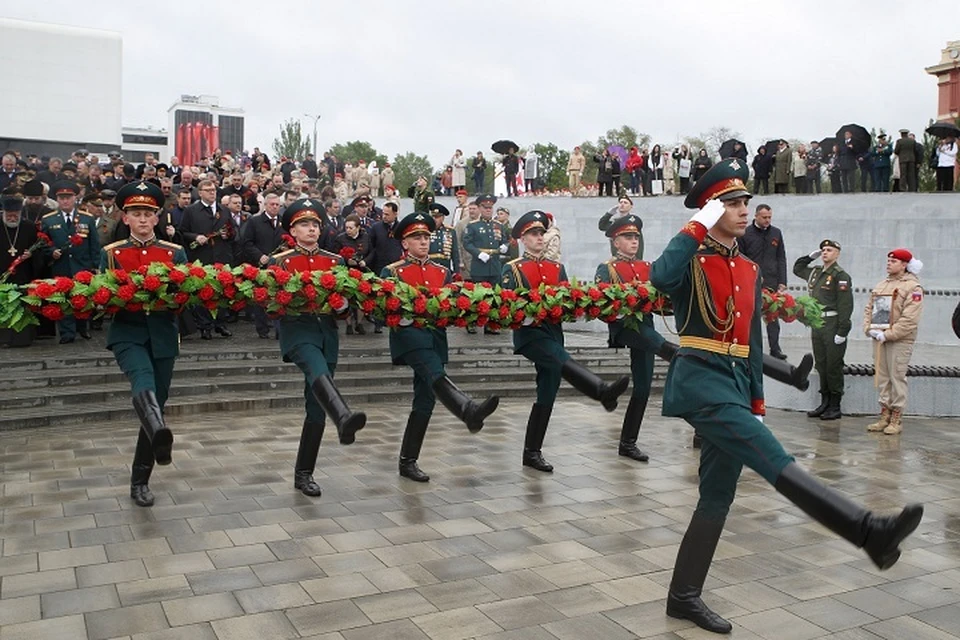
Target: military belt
x=716 y=346
x=491 y=252
x=828 y=314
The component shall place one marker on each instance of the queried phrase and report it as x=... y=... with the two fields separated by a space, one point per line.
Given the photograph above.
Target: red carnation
x=250 y=272
x=482 y=321
x=180 y=298
x=52 y=312
x=550 y=291
x=469 y=286
x=508 y=295
x=460 y=322
x=615 y=305
x=434 y=291
x=354 y=273
x=260 y=294
x=643 y=292
x=63 y=285
x=289 y=240
x=306 y=276
x=152 y=283
x=646 y=307
x=578 y=312
x=595 y=294
x=210 y=304
x=519 y=316
x=44 y=290
x=328 y=281
x=483 y=308
x=142 y=269
x=76 y=240
x=83 y=277
x=463 y=303
x=198 y=272
x=206 y=293
x=576 y=294
x=282 y=277
x=81 y=315
x=176 y=276
x=284 y=297
x=393 y=303
x=102 y=296
x=229 y=291
x=442 y=322
x=631 y=300
x=393 y=320
x=534 y=296
x=126 y=292
x=445 y=304
x=388 y=286
x=335 y=300
x=238 y=305
x=364 y=287
x=594 y=312
x=310 y=292
x=504 y=312
x=420 y=305
x=78 y=302
x=541 y=314
x=368 y=306
x=556 y=312
x=347 y=252
x=224 y=277
x=44 y=237
x=120 y=275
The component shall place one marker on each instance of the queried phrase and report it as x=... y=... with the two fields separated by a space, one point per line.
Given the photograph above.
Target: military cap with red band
x=725 y=180
x=301 y=210
x=414 y=223
x=140 y=194
x=530 y=220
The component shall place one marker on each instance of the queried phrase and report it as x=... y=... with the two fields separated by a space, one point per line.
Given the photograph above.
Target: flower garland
x=171 y=288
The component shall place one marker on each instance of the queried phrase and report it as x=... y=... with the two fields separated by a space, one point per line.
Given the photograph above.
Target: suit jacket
x=384 y=248
x=332 y=227
x=260 y=238
x=74 y=258
x=197 y=220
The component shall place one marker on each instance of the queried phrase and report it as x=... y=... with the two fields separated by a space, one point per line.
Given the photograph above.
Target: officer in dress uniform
x=424 y=349
x=312 y=343
x=443 y=241
x=145 y=343
x=832 y=287
x=644 y=342
x=75 y=248
x=543 y=344
x=715 y=384
x=486 y=241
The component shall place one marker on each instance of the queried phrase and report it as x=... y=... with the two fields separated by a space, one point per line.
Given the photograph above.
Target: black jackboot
x=140 y=472
x=151 y=421
x=631 y=428
x=307 y=459
x=533 y=442
x=690 y=572
x=879 y=536
x=348 y=422
x=410 y=448
x=832 y=411
x=462 y=406
x=592 y=386
x=824 y=403
x=668 y=350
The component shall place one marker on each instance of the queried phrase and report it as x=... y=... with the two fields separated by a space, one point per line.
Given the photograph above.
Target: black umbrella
x=944 y=130
x=772 y=146
x=727 y=151
x=827 y=144
x=861 y=139
x=504 y=146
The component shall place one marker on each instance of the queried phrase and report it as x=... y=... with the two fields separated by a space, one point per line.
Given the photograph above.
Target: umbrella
x=827 y=144
x=504 y=146
x=944 y=130
x=772 y=146
x=620 y=152
x=861 y=139
x=726 y=149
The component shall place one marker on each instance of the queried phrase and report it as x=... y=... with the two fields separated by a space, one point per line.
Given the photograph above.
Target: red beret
x=901 y=254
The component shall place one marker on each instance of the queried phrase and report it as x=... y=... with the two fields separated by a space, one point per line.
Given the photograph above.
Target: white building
x=139 y=141
x=50 y=107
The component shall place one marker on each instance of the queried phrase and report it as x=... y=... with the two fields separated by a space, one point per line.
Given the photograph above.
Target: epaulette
x=169 y=245
x=114 y=245
x=515 y=260
x=329 y=254
x=284 y=254
x=52 y=213
x=395 y=265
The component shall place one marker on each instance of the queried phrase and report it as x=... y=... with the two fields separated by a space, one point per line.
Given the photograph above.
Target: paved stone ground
x=486 y=549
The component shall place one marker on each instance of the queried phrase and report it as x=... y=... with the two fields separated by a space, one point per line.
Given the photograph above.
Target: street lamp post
x=316 y=119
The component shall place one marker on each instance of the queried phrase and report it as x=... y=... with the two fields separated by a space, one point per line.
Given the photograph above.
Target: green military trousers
x=145 y=372
x=547 y=357
x=313 y=364
x=427 y=368
x=828 y=357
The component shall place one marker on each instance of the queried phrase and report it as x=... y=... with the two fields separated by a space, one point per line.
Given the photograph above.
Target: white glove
x=760 y=418
x=342 y=307
x=815 y=254
x=528 y=321
x=483 y=257
x=708 y=216
x=405 y=322
x=839 y=339
x=504 y=248
x=878 y=335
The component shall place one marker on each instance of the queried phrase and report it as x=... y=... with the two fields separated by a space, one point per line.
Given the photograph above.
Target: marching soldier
x=715 y=384
x=644 y=342
x=486 y=241
x=424 y=349
x=891 y=318
x=832 y=287
x=543 y=344
x=145 y=344
x=75 y=248
x=312 y=343
x=444 y=249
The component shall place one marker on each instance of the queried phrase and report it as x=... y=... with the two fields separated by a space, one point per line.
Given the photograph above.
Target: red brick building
x=947 y=72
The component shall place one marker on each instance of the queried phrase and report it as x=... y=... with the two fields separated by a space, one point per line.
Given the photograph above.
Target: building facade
x=947 y=72
x=199 y=126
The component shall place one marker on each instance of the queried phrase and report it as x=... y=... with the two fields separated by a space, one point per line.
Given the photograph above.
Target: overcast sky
x=434 y=76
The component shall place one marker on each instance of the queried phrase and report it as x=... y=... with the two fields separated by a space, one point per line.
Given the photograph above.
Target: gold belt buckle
x=731 y=350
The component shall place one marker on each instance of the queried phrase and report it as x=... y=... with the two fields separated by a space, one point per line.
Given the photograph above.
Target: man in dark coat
x=847 y=162
x=205 y=230
x=385 y=248
x=261 y=237
x=310 y=166
x=762 y=168
x=763 y=243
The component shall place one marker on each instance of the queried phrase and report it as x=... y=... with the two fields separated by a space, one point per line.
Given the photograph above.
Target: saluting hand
x=709 y=214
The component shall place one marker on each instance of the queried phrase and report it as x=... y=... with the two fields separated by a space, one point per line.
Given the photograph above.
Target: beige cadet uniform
x=575 y=167
x=893 y=354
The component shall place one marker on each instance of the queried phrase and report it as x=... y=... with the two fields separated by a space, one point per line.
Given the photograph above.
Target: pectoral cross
x=12 y=251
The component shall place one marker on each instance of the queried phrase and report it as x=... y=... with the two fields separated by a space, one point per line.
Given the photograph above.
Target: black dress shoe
x=226 y=333
x=410 y=469
x=141 y=495
x=66 y=340
x=304 y=483
x=264 y=336
x=360 y=330
x=630 y=450
x=779 y=355
x=84 y=334
x=694 y=610
x=534 y=460
x=206 y=334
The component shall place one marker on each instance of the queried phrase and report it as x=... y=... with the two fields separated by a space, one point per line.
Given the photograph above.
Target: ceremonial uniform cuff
x=758 y=407
x=695 y=230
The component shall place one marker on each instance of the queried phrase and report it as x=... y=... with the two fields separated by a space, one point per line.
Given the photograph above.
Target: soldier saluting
x=715 y=384
x=832 y=287
x=145 y=344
